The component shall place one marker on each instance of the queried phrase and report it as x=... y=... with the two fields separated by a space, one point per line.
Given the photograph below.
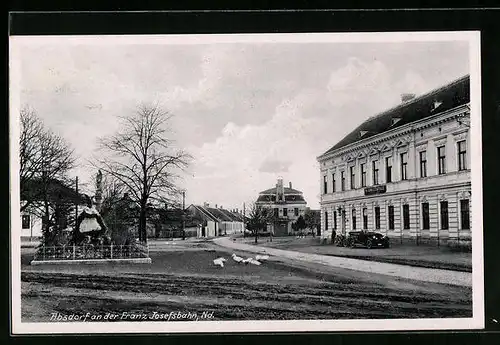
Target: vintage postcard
x=246 y=183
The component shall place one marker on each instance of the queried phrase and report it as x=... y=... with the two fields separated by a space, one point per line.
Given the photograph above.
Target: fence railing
x=89 y=252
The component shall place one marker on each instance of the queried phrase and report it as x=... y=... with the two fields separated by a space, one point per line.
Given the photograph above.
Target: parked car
x=368 y=239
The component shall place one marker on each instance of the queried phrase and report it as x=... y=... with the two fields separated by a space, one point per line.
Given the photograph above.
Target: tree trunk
x=142 y=224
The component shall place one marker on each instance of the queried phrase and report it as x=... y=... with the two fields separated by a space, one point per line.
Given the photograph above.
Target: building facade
x=213 y=221
x=287 y=205
x=405 y=172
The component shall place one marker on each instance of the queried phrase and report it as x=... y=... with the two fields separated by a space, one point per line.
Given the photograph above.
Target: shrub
x=464 y=245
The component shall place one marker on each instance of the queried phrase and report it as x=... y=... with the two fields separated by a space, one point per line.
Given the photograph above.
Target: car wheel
x=369 y=244
x=351 y=243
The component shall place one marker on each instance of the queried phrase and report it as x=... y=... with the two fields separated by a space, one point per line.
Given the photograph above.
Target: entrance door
x=203 y=233
x=280 y=229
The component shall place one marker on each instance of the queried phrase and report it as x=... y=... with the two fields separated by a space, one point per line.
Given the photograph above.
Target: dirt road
x=371 y=267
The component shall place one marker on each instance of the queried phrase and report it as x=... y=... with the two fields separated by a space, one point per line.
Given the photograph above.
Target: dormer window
x=436 y=105
x=362 y=133
x=395 y=120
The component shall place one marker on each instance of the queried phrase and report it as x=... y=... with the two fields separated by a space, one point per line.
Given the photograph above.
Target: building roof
x=218 y=214
x=287 y=190
x=447 y=97
x=288 y=198
x=56 y=189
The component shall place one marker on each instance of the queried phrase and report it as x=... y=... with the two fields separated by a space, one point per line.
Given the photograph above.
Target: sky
x=248 y=112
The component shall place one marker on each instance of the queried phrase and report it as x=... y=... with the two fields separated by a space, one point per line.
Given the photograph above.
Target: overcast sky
x=247 y=112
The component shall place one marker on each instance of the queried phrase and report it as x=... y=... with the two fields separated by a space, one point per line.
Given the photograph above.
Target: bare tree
x=45 y=160
x=141 y=157
x=30 y=157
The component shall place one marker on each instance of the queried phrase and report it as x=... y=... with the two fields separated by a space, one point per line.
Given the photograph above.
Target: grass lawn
x=183 y=278
x=406 y=254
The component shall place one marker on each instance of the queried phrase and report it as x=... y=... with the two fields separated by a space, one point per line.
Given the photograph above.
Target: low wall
x=92 y=261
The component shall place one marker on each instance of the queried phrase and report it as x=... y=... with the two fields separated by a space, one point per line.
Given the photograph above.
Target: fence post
x=44 y=252
x=111 y=251
x=74 y=252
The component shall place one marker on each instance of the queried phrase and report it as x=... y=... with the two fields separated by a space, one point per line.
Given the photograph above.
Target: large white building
x=404 y=172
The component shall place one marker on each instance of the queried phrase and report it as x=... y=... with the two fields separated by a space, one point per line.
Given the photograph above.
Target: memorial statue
x=90 y=227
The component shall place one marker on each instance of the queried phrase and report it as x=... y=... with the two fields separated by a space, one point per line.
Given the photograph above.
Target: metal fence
x=89 y=252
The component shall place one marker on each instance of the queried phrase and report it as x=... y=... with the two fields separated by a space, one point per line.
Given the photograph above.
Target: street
x=182 y=277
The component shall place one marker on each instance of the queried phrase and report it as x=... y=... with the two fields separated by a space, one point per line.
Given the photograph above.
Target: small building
x=60 y=195
x=213 y=221
x=287 y=205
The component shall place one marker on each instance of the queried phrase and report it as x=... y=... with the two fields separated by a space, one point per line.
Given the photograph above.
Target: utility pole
x=244 y=219
x=77 y=199
x=183 y=215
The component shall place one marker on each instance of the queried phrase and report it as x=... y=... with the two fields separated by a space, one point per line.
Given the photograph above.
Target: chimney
x=405 y=97
x=290 y=184
x=215 y=205
x=206 y=204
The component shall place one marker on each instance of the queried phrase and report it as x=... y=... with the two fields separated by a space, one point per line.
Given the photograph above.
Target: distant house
x=288 y=205
x=213 y=221
x=59 y=194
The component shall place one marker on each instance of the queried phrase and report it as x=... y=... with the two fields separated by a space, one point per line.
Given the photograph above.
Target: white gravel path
x=402 y=271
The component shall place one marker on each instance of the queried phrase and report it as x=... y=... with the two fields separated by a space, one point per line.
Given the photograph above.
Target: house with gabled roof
x=215 y=221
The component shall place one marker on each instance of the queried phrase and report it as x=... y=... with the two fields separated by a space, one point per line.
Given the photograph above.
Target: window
x=404 y=166
x=365 y=218
x=390 y=211
x=462 y=154
x=333 y=183
x=465 y=214
x=353 y=178
x=423 y=163
x=444 y=215
x=377 y=217
x=25 y=221
x=296 y=211
x=342 y=181
x=354 y=219
x=425 y=216
x=325 y=185
x=326 y=220
x=363 y=175
x=276 y=212
x=375 y=172
x=335 y=219
x=441 y=160
x=406 y=216
x=285 y=211
x=388 y=169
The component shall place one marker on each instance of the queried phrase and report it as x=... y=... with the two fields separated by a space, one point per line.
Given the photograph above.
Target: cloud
x=301 y=128
x=247 y=112
x=275 y=166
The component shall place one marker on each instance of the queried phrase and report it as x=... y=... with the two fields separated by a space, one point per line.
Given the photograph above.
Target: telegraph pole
x=183 y=215
x=77 y=199
x=244 y=219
